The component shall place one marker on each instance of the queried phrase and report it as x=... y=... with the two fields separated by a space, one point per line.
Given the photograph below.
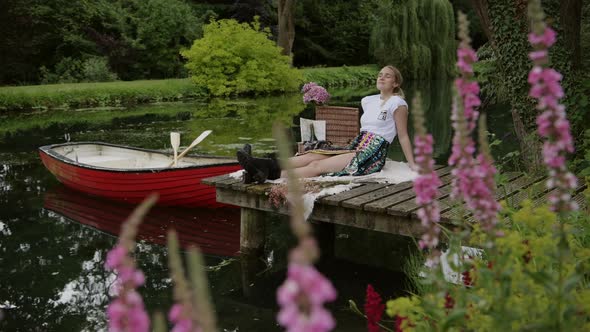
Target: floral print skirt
x=371 y=152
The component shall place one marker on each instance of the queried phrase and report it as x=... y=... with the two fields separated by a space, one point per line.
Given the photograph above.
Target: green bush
x=69 y=70
x=239 y=58
x=97 y=69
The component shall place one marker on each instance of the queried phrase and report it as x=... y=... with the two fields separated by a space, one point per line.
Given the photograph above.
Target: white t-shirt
x=377 y=118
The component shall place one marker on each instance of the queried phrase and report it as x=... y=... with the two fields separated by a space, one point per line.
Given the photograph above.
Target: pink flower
x=473 y=179
x=181 y=319
x=315 y=93
x=306 y=87
x=552 y=123
x=302 y=297
x=115 y=257
x=538 y=56
x=426 y=189
x=548 y=38
x=126 y=312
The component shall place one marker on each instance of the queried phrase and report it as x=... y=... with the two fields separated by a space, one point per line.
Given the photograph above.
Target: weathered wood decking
x=389 y=208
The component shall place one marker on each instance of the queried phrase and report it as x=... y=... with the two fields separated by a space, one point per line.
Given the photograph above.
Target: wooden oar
x=175 y=142
x=193 y=144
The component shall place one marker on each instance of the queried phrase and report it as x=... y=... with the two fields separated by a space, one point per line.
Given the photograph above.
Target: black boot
x=247 y=176
x=260 y=169
x=247 y=148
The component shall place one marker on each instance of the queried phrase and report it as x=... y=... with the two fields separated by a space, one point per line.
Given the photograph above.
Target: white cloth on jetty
x=393 y=172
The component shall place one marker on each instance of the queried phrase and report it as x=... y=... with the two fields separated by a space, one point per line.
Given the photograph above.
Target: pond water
x=53 y=241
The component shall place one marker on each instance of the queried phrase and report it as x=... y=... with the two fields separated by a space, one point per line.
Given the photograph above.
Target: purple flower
x=427 y=183
x=302 y=297
x=308 y=86
x=315 y=93
x=473 y=179
x=546 y=39
x=126 y=312
x=426 y=189
x=552 y=123
x=180 y=317
x=115 y=257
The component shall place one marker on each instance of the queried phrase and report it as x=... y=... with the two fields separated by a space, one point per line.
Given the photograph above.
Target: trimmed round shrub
x=239 y=58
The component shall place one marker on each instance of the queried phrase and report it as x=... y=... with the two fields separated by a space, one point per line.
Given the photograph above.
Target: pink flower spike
x=175 y=312
x=552 y=123
x=115 y=257
x=301 y=298
x=538 y=55
x=549 y=37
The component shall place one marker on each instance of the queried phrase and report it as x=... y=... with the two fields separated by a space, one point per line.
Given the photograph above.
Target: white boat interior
x=122 y=158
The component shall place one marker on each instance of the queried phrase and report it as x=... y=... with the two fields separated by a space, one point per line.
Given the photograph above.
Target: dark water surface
x=53 y=241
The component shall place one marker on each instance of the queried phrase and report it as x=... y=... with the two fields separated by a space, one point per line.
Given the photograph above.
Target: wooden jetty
x=389 y=208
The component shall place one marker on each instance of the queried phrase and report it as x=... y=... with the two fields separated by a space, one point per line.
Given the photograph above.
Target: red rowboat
x=131 y=174
x=215 y=231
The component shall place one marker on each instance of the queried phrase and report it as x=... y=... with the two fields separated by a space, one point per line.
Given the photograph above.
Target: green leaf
x=453 y=319
x=571 y=283
x=545 y=279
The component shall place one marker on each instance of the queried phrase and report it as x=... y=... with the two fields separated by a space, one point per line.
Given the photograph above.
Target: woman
x=384 y=116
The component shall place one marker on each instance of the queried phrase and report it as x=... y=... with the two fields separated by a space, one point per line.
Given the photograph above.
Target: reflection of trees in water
x=436 y=103
x=236 y=121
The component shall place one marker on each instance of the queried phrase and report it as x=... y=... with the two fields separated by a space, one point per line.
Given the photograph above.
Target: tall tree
x=418 y=36
x=286 y=18
x=571 y=19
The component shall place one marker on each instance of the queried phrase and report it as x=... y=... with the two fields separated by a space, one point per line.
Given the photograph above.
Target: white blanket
x=393 y=172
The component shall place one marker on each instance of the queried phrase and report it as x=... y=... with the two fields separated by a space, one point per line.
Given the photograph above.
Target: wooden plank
x=226 y=183
x=516 y=181
x=540 y=200
x=241 y=186
x=406 y=201
x=580 y=198
x=259 y=189
x=387 y=190
x=407 y=207
x=515 y=194
x=382 y=204
x=543 y=198
x=335 y=200
x=248 y=200
x=536 y=188
x=516 y=184
x=214 y=179
x=451 y=211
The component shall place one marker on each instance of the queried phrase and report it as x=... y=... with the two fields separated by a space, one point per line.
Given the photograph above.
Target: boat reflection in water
x=215 y=231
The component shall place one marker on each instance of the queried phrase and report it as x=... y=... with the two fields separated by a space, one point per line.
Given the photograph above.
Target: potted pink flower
x=312 y=92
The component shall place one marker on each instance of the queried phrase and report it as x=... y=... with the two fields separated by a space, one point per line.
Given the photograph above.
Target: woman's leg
x=321 y=166
x=305 y=159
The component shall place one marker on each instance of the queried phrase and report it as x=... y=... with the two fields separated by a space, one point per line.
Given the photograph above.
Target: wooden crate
x=342 y=123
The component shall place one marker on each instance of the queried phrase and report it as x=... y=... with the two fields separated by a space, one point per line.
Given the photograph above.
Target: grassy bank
x=79 y=95
x=115 y=94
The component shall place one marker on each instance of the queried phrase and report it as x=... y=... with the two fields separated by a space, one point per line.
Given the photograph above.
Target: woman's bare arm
x=401 y=124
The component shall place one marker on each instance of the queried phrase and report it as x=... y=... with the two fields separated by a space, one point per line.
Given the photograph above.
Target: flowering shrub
x=239 y=58
x=314 y=93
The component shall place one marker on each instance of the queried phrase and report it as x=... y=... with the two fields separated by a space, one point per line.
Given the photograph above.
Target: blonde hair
x=399 y=80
